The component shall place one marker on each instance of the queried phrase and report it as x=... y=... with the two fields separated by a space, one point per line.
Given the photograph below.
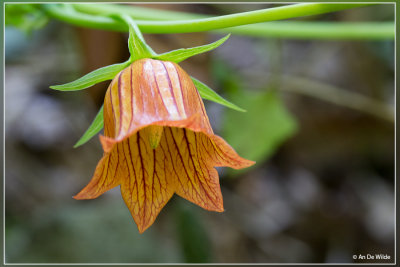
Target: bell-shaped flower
x=158 y=141
x=157 y=137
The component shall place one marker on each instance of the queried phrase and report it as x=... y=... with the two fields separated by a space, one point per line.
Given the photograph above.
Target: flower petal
x=147 y=92
x=149 y=184
x=107 y=175
x=224 y=155
x=196 y=180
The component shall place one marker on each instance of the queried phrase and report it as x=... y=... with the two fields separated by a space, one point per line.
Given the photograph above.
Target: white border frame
x=161 y=2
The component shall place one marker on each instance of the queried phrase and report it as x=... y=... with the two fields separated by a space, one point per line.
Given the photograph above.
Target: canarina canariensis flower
x=158 y=141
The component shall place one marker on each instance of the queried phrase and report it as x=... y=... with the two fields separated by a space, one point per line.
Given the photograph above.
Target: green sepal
x=93 y=129
x=209 y=94
x=184 y=53
x=99 y=75
x=136 y=43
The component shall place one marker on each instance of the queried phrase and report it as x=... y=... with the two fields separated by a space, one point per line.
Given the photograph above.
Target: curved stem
x=195 y=25
x=263 y=15
x=136 y=11
x=278 y=29
x=62 y=13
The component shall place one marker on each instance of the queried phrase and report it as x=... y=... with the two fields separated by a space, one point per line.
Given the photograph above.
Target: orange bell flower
x=158 y=141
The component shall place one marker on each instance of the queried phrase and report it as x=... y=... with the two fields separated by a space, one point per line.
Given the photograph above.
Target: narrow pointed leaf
x=184 y=53
x=93 y=129
x=99 y=75
x=209 y=94
x=136 y=43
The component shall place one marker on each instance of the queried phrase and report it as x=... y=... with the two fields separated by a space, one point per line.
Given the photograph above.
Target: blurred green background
x=321 y=191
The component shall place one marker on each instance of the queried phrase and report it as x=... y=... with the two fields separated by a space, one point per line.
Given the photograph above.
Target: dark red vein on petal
x=112 y=106
x=93 y=185
x=171 y=89
x=116 y=167
x=203 y=110
x=224 y=156
x=196 y=170
x=201 y=157
x=120 y=103
x=158 y=89
x=103 y=177
x=132 y=91
x=183 y=164
x=154 y=173
x=172 y=162
x=164 y=166
x=204 y=146
x=144 y=178
x=180 y=87
x=134 y=172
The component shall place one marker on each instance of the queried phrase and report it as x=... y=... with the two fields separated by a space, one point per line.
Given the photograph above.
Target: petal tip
x=85 y=194
x=220 y=209
x=248 y=163
x=143 y=226
x=241 y=163
x=80 y=196
x=107 y=143
x=77 y=197
x=142 y=229
x=212 y=206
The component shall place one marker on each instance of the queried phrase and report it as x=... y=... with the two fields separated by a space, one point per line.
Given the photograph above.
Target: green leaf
x=93 y=129
x=208 y=93
x=184 y=53
x=258 y=133
x=136 y=43
x=26 y=17
x=99 y=75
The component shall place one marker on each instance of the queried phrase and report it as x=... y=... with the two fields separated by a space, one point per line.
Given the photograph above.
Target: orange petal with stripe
x=158 y=141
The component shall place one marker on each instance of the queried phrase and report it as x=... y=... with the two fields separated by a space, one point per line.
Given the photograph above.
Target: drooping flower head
x=158 y=141
x=157 y=137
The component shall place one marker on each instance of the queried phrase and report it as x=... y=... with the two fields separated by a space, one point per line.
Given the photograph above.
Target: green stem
x=62 y=13
x=285 y=29
x=324 y=30
x=136 y=12
x=319 y=30
x=263 y=15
